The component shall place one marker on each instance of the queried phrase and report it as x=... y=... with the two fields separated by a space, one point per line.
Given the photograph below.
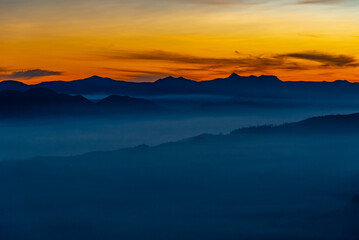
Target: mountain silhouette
x=91 y=85
x=345 y=124
x=126 y=104
x=287 y=186
x=14 y=85
x=43 y=101
x=40 y=101
x=234 y=85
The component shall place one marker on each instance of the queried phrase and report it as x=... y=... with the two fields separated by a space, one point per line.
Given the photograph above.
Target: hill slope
x=45 y=102
x=239 y=186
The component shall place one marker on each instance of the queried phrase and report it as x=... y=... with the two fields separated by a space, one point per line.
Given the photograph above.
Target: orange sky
x=142 y=40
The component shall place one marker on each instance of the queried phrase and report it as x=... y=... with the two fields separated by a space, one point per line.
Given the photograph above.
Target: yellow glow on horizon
x=84 y=40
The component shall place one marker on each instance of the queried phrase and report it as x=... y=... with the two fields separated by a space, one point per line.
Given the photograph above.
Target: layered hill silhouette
x=286 y=185
x=234 y=85
x=43 y=101
x=128 y=105
x=337 y=124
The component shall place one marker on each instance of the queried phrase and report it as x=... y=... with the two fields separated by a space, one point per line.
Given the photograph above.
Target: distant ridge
x=128 y=104
x=45 y=102
x=234 y=85
x=348 y=123
x=284 y=185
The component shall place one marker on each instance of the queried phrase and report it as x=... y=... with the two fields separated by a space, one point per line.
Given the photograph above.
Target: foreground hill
x=256 y=185
x=234 y=85
x=334 y=124
x=40 y=101
x=45 y=102
x=128 y=104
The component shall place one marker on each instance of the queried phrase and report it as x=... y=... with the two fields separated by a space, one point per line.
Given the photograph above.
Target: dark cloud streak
x=243 y=63
x=28 y=74
x=325 y=59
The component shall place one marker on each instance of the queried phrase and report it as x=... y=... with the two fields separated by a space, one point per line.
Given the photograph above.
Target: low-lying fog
x=213 y=187
x=69 y=136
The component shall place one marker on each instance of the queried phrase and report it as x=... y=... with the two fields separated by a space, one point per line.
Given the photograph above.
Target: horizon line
x=179 y=77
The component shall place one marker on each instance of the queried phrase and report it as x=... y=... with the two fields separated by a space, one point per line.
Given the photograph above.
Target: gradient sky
x=142 y=40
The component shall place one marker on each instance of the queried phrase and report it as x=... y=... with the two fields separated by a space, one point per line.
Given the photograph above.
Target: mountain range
x=234 y=85
x=43 y=101
x=287 y=186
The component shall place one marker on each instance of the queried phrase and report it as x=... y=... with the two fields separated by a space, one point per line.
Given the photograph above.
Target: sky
x=143 y=40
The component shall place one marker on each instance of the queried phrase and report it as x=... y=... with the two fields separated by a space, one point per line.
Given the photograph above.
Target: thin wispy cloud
x=246 y=63
x=325 y=59
x=74 y=29
x=3 y=70
x=304 y=2
x=135 y=73
x=29 y=74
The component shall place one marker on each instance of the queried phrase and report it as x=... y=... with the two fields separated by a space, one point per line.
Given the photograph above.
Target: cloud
x=28 y=74
x=325 y=59
x=135 y=74
x=160 y=55
x=304 y=2
x=4 y=70
x=243 y=63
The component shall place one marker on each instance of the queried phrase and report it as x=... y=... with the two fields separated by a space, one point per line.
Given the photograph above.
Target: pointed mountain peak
x=168 y=78
x=234 y=75
x=95 y=77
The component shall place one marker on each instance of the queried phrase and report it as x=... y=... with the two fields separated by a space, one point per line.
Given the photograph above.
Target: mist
x=207 y=168
x=238 y=186
x=66 y=136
